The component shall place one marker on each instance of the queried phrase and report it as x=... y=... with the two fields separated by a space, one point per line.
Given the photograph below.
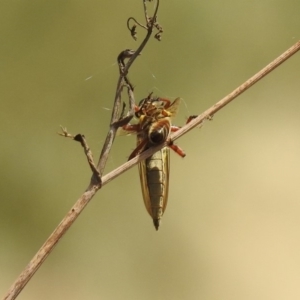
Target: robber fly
x=153 y=128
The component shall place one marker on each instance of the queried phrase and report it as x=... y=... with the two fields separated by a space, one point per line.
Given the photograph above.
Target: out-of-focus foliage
x=231 y=229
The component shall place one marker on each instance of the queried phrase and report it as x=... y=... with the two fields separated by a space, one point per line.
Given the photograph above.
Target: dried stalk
x=207 y=115
x=71 y=216
x=151 y=23
x=117 y=120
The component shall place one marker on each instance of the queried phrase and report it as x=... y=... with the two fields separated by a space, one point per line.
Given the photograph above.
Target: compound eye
x=157 y=136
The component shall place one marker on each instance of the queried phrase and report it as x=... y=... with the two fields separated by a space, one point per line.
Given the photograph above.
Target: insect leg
x=174 y=147
x=138 y=149
x=190 y=118
x=176 y=128
x=177 y=149
x=131 y=128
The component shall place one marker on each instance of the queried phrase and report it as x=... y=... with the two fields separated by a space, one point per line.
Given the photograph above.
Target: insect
x=153 y=128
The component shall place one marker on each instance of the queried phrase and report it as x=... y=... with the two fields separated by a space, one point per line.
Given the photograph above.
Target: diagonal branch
x=71 y=216
x=238 y=91
x=207 y=114
x=123 y=72
x=117 y=120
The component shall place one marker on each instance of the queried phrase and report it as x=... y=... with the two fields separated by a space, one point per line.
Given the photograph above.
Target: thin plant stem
x=113 y=129
x=81 y=203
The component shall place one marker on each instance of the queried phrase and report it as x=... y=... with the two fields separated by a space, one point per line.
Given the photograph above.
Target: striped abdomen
x=154 y=172
x=154 y=176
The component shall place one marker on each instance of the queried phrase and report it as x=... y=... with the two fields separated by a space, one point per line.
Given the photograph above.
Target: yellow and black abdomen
x=154 y=175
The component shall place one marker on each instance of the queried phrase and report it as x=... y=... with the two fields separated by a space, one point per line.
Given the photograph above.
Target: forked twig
x=206 y=115
x=71 y=216
x=124 y=68
x=88 y=153
x=88 y=195
x=117 y=119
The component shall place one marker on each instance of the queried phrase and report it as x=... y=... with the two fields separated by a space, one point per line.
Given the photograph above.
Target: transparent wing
x=127 y=130
x=173 y=109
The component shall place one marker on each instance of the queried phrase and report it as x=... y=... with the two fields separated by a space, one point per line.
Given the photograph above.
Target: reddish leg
x=190 y=118
x=138 y=149
x=174 y=128
x=131 y=128
x=176 y=148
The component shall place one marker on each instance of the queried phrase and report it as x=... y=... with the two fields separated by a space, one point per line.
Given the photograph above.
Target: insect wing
x=173 y=108
x=127 y=130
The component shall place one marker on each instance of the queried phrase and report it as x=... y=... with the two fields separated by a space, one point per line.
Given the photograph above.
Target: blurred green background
x=232 y=227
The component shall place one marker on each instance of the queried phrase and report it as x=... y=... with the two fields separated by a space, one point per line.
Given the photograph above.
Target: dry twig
x=117 y=120
x=206 y=115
